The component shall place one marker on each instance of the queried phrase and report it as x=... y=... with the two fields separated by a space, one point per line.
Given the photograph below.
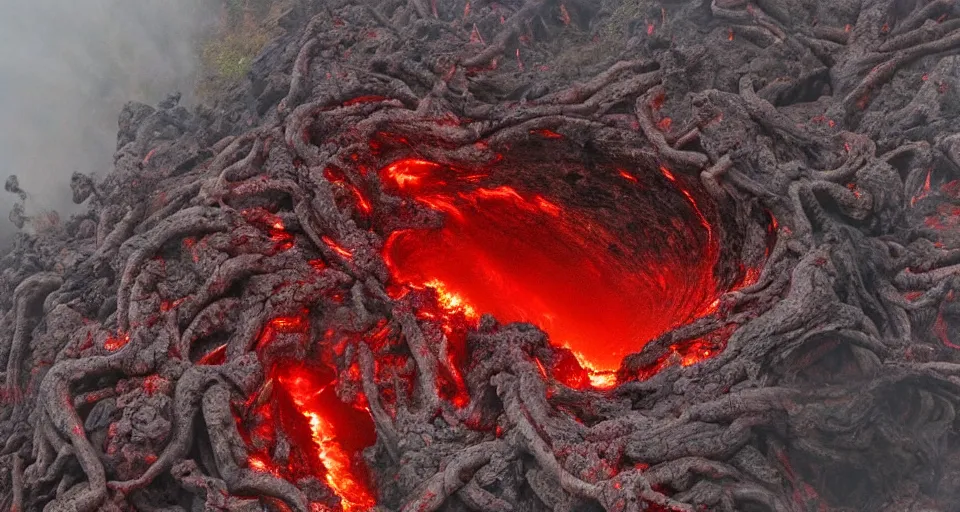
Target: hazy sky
x=67 y=67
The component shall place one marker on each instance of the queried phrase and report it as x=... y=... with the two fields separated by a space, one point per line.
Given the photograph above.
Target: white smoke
x=66 y=69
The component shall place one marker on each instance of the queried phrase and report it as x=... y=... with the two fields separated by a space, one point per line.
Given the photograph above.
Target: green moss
x=229 y=58
x=245 y=27
x=622 y=14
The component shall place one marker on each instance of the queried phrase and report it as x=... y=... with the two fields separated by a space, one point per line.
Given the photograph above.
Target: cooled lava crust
x=519 y=256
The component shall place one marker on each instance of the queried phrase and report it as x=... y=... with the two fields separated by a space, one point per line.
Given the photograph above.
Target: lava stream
x=332 y=432
x=327 y=436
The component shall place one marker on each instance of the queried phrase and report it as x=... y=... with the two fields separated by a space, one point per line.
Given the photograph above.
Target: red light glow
x=299 y=400
x=336 y=430
x=337 y=248
x=215 y=356
x=523 y=257
x=923 y=192
x=329 y=434
x=117 y=342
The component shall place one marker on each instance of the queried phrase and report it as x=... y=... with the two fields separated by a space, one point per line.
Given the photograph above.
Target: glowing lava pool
x=602 y=264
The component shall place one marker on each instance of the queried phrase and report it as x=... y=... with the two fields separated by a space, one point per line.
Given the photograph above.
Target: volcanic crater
x=511 y=256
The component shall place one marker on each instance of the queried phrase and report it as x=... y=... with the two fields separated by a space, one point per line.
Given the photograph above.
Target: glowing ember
x=337 y=248
x=521 y=257
x=280 y=325
x=299 y=401
x=923 y=192
x=453 y=316
x=273 y=224
x=215 y=356
x=117 y=342
x=154 y=383
x=450 y=301
x=547 y=134
x=329 y=434
x=259 y=464
x=362 y=202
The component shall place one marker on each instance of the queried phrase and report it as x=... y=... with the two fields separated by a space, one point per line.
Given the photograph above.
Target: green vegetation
x=243 y=29
x=229 y=57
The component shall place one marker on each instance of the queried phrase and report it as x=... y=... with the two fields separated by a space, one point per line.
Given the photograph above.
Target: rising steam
x=66 y=68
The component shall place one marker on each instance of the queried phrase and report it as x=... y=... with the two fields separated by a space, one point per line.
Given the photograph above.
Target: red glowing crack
x=327 y=435
x=330 y=433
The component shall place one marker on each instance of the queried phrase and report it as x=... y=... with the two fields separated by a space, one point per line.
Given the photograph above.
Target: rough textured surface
x=141 y=337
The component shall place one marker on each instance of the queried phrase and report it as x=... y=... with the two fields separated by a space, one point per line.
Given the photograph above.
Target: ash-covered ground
x=525 y=255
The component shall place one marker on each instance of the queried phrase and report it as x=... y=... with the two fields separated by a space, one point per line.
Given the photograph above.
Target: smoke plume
x=66 y=68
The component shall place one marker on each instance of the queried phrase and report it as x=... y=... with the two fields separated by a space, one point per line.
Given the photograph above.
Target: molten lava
x=598 y=289
x=327 y=435
x=331 y=433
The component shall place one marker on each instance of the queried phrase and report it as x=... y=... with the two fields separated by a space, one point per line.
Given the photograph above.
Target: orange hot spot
x=501 y=251
x=216 y=356
x=259 y=463
x=329 y=435
x=667 y=174
x=154 y=383
x=452 y=302
x=923 y=192
x=362 y=202
x=658 y=101
x=453 y=317
x=167 y=305
x=363 y=99
x=281 y=325
x=117 y=342
x=337 y=248
x=272 y=224
x=547 y=134
x=147 y=158
x=283 y=240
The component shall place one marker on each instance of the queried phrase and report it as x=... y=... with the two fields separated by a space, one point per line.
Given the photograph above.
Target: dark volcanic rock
x=228 y=328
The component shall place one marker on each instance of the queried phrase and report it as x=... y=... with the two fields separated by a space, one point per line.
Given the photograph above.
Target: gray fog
x=66 y=69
